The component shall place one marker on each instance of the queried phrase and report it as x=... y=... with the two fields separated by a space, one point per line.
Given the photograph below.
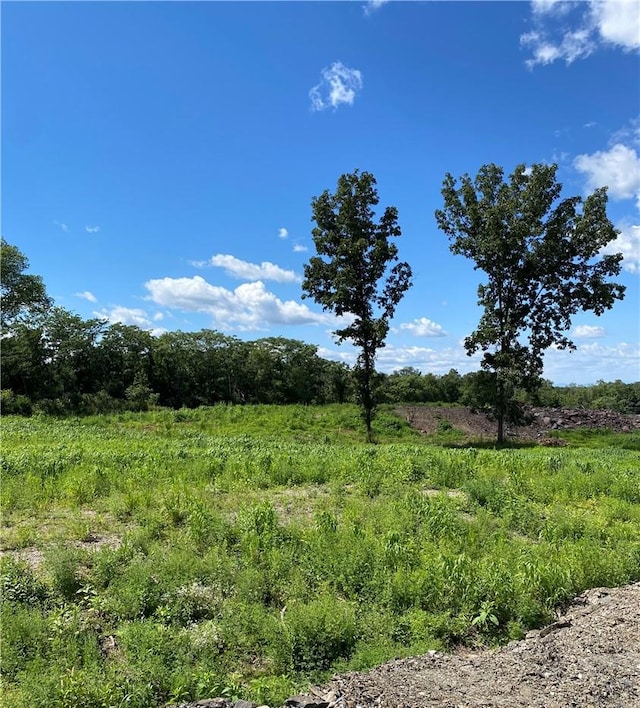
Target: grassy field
x=246 y=551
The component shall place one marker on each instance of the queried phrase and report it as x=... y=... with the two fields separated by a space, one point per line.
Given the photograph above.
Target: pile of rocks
x=330 y=700
x=571 y=418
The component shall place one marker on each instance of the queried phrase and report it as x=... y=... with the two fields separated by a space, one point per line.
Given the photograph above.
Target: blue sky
x=159 y=159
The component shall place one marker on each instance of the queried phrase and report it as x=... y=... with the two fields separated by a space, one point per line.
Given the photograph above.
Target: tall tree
x=23 y=295
x=352 y=274
x=541 y=257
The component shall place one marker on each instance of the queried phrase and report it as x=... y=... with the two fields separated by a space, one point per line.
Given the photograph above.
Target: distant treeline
x=67 y=365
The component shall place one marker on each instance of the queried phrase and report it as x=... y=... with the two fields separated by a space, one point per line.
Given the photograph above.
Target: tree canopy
x=23 y=295
x=541 y=257
x=356 y=273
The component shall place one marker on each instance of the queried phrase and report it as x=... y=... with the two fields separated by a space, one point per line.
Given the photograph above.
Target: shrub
x=20 y=584
x=317 y=634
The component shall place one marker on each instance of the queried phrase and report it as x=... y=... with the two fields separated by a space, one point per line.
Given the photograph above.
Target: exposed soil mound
x=589 y=657
x=542 y=421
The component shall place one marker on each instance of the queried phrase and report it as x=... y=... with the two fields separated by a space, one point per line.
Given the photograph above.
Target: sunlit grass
x=246 y=551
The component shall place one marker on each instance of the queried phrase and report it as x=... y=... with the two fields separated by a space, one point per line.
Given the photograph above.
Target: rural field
x=248 y=551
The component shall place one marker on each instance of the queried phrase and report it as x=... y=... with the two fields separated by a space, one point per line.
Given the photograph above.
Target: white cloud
x=158 y=317
x=92 y=229
x=587 y=332
x=344 y=355
x=249 y=306
x=593 y=361
x=339 y=85
x=428 y=360
x=423 y=327
x=618 y=22
x=627 y=243
x=596 y=22
x=574 y=45
x=373 y=5
x=617 y=168
x=590 y=362
x=64 y=227
x=251 y=271
x=283 y=233
x=299 y=248
x=546 y=7
x=86 y=295
x=129 y=316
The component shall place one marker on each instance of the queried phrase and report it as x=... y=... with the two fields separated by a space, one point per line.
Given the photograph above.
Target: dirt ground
x=476 y=425
x=589 y=657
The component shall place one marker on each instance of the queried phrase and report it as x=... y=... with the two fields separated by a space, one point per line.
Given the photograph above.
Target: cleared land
x=246 y=551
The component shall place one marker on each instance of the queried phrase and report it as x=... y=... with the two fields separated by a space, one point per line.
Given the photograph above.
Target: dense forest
x=56 y=362
x=64 y=364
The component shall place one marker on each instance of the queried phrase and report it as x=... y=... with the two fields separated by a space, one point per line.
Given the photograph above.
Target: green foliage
x=613 y=395
x=317 y=634
x=246 y=551
x=542 y=260
x=23 y=296
x=15 y=405
x=353 y=255
x=20 y=584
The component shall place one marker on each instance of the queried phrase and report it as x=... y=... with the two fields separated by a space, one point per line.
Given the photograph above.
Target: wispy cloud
x=87 y=295
x=252 y=271
x=62 y=226
x=587 y=332
x=338 y=85
x=373 y=5
x=244 y=270
x=249 y=307
x=423 y=327
x=299 y=248
x=283 y=233
x=92 y=229
x=569 y=31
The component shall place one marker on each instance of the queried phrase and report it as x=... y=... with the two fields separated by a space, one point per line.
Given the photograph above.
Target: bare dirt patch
x=476 y=424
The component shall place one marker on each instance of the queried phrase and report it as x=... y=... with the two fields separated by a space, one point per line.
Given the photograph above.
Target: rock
x=245 y=704
x=306 y=702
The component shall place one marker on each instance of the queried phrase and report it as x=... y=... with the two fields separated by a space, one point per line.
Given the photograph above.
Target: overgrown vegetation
x=246 y=551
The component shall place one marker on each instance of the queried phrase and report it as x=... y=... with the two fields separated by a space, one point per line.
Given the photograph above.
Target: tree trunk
x=500 y=426
x=501 y=410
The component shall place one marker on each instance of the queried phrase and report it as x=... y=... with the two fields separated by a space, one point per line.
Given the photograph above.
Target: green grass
x=585 y=437
x=248 y=551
